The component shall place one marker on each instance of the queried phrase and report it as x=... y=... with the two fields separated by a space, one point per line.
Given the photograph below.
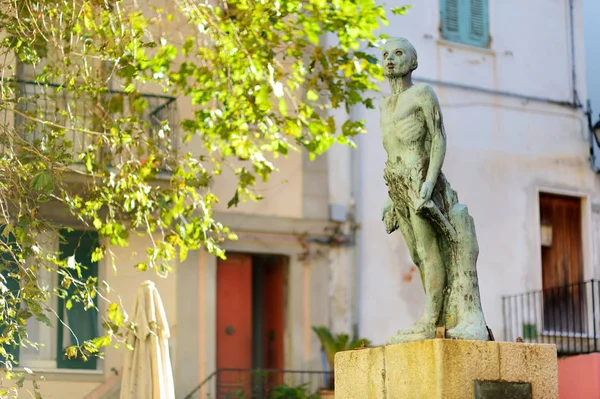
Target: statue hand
x=389 y=205
x=426 y=191
x=391 y=222
x=388 y=215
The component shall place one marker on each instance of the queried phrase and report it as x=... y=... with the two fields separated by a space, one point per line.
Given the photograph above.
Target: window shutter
x=478 y=23
x=83 y=323
x=465 y=21
x=450 y=10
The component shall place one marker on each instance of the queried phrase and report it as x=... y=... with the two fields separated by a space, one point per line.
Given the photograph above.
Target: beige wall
x=282 y=194
x=58 y=389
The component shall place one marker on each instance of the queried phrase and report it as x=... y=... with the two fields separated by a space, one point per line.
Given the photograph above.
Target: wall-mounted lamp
x=596 y=132
x=594 y=129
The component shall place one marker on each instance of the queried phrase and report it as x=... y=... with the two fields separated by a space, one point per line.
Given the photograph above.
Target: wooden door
x=273 y=303
x=562 y=264
x=234 y=323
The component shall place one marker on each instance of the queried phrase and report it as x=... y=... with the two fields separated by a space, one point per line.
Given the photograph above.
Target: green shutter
x=478 y=34
x=451 y=20
x=7 y=267
x=83 y=323
x=465 y=21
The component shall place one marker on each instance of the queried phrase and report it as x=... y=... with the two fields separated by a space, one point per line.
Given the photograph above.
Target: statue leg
x=434 y=280
x=409 y=237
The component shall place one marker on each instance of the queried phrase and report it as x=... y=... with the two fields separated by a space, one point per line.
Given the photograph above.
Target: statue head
x=399 y=57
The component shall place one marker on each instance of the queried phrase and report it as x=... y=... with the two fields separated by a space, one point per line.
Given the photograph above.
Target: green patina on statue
x=438 y=230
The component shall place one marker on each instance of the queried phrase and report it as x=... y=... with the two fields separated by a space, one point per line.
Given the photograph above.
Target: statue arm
x=435 y=126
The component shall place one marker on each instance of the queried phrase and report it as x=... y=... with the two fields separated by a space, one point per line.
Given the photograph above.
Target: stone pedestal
x=448 y=369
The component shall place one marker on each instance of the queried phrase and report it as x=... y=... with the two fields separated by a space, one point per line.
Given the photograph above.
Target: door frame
x=296 y=327
x=586 y=230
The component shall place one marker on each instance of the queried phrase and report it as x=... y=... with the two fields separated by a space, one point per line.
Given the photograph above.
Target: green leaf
x=283 y=108
x=183 y=252
x=401 y=10
x=235 y=200
x=97 y=254
x=114 y=314
x=43 y=182
x=141 y=266
x=311 y=95
x=44 y=319
x=187 y=46
x=102 y=341
x=72 y=352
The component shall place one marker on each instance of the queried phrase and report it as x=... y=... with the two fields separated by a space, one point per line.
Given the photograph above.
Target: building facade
x=286 y=273
x=510 y=78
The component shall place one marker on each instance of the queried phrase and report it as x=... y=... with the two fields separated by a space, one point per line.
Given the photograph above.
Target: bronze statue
x=438 y=230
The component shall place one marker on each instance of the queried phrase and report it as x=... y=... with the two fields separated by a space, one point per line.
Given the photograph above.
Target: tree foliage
x=82 y=141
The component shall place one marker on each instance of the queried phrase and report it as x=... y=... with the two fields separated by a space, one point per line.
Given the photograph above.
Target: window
x=8 y=268
x=80 y=109
x=465 y=21
x=80 y=324
x=83 y=323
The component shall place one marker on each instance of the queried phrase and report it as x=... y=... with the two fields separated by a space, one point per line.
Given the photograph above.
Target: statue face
x=398 y=59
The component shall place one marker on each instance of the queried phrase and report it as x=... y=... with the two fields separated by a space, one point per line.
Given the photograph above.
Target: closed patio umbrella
x=147 y=372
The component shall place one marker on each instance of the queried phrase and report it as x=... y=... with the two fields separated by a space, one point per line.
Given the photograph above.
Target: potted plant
x=332 y=344
x=292 y=392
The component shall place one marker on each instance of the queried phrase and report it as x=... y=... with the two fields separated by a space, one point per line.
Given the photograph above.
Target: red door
x=273 y=317
x=234 y=322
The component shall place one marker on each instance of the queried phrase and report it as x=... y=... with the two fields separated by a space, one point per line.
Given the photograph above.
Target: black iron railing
x=566 y=316
x=260 y=384
x=79 y=112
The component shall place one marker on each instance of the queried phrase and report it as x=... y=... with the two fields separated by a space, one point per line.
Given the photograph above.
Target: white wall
x=501 y=150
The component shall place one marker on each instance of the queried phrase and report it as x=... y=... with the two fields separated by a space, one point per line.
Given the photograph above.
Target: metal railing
x=78 y=112
x=566 y=316
x=260 y=384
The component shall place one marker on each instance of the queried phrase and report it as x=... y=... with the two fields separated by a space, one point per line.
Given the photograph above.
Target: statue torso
x=404 y=131
x=407 y=141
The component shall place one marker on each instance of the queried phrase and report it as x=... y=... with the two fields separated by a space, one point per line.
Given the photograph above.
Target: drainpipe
x=573 y=70
x=355 y=220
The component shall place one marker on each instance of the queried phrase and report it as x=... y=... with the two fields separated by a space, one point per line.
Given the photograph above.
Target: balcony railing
x=78 y=112
x=259 y=384
x=566 y=316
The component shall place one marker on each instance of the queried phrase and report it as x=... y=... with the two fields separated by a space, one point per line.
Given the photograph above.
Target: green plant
x=288 y=392
x=238 y=394
x=332 y=344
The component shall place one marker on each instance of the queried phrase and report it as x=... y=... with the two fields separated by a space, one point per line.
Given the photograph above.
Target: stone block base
x=448 y=369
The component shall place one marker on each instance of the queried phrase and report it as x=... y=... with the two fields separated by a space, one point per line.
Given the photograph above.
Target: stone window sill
x=64 y=374
x=466 y=47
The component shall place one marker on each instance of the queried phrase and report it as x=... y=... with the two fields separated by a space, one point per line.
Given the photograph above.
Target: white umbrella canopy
x=147 y=372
